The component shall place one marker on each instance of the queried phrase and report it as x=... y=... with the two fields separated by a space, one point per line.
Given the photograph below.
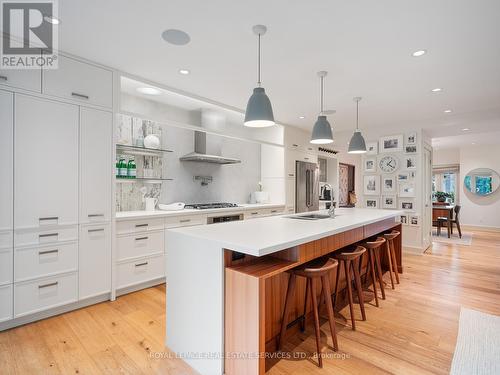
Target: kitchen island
x=226 y=282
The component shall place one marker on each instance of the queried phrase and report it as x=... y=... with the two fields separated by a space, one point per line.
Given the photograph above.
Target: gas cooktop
x=207 y=206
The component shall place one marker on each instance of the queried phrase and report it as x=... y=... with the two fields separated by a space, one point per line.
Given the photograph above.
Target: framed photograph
x=403 y=177
x=406 y=205
x=388 y=184
x=371 y=202
x=370 y=165
x=411 y=138
x=411 y=149
x=412 y=174
x=392 y=143
x=371 y=185
x=389 y=201
x=371 y=148
x=414 y=220
x=403 y=219
x=410 y=162
x=407 y=190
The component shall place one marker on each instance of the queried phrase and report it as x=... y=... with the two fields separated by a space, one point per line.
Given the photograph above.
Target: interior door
x=427 y=219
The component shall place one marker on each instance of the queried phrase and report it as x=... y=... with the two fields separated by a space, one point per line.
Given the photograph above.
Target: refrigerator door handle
x=308 y=188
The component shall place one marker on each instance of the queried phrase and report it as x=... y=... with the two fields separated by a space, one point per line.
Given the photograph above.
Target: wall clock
x=388 y=164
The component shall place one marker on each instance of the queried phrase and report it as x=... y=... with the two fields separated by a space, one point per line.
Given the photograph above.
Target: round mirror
x=482 y=181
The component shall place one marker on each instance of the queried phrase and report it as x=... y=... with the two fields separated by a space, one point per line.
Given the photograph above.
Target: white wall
x=479 y=211
x=448 y=156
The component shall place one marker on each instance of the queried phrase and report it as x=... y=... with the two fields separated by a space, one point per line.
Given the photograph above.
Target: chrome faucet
x=331 y=210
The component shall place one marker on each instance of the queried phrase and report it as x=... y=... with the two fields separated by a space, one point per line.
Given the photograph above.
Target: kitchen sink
x=310 y=217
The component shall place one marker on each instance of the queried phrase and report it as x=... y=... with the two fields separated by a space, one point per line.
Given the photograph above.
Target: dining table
x=443 y=211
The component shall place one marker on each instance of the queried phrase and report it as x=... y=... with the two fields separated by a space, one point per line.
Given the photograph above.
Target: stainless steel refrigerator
x=306 y=186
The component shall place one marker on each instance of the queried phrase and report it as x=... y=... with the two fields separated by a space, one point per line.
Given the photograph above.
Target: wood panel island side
x=226 y=283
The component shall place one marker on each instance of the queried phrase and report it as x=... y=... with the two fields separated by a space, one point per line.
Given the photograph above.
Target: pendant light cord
x=258 y=65
x=321 y=96
x=357 y=114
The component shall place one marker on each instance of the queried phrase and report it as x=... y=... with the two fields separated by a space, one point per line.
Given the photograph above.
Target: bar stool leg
x=379 y=271
x=359 y=288
x=349 y=292
x=303 y=320
x=394 y=261
x=337 y=277
x=374 y=280
x=389 y=257
x=314 y=301
x=289 y=295
x=329 y=308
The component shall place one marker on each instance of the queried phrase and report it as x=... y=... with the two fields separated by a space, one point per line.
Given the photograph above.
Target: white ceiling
x=365 y=46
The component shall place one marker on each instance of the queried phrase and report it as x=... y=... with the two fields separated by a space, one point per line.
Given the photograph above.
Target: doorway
x=346 y=185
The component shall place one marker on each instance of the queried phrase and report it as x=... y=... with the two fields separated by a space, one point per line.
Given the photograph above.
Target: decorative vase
x=152 y=141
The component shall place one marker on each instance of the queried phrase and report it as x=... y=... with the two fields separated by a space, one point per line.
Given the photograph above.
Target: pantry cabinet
x=95 y=165
x=6 y=156
x=46 y=163
x=27 y=79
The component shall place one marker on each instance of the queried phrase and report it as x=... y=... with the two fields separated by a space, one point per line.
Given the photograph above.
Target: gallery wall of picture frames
x=390 y=168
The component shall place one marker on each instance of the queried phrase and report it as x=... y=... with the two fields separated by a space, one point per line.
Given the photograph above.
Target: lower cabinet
x=6 y=302
x=94 y=260
x=5 y=266
x=132 y=272
x=41 y=294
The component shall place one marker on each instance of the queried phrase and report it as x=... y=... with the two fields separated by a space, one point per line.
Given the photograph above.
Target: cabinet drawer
x=79 y=81
x=185 y=221
x=6 y=265
x=134 y=226
x=255 y=213
x=5 y=302
x=275 y=211
x=6 y=240
x=30 y=237
x=140 y=245
x=141 y=270
x=41 y=261
x=42 y=294
x=28 y=79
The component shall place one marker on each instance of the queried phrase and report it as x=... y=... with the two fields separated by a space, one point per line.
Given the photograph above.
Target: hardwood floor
x=413 y=331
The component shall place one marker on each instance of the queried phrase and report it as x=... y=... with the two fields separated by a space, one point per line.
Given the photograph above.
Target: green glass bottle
x=117 y=168
x=131 y=169
x=122 y=168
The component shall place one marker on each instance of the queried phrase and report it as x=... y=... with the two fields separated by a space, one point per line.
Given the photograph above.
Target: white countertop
x=127 y=215
x=266 y=235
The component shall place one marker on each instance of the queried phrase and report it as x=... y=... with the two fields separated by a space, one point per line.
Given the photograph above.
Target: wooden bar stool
x=391 y=255
x=373 y=250
x=315 y=272
x=351 y=260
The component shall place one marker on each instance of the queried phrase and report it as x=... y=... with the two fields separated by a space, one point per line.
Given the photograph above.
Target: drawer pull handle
x=141 y=264
x=254 y=213
x=48 y=252
x=95 y=215
x=82 y=96
x=3 y=78
x=45 y=235
x=48 y=218
x=48 y=285
x=290 y=174
x=185 y=221
x=306 y=158
x=141 y=225
x=274 y=211
x=295 y=145
x=96 y=230
x=141 y=238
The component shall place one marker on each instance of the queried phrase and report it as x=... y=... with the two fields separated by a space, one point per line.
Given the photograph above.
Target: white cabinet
x=140 y=245
x=28 y=79
x=6 y=301
x=46 y=163
x=291 y=156
x=95 y=165
x=185 y=221
x=79 y=81
x=6 y=158
x=140 y=225
x=94 y=260
x=6 y=266
x=138 y=271
x=290 y=195
x=299 y=140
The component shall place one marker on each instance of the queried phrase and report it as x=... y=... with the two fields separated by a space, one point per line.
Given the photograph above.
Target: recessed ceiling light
x=148 y=90
x=437 y=89
x=447 y=111
x=184 y=71
x=176 y=37
x=53 y=20
x=465 y=129
x=302 y=117
x=419 y=53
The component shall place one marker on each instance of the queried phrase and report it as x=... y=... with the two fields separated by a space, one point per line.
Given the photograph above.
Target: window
x=446 y=181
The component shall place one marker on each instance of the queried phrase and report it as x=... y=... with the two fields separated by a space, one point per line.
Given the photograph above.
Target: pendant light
x=357 y=144
x=322 y=131
x=259 y=113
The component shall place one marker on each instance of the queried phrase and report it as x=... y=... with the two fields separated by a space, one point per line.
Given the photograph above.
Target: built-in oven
x=224 y=218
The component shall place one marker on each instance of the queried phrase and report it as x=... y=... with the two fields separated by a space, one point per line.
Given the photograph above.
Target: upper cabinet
x=27 y=79
x=95 y=165
x=46 y=162
x=6 y=156
x=298 y=140
x=79 y=81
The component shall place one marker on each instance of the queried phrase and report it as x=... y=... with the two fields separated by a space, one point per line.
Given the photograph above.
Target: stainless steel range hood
x=200 y=152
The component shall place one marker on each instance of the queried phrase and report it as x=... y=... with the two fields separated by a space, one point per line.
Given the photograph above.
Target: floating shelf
x=137 y=150
x=150 y=180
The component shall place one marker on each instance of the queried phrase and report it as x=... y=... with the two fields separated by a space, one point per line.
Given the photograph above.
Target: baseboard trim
x=16 y=322
x=136 y=287
x=414 y=250
x=478 y=227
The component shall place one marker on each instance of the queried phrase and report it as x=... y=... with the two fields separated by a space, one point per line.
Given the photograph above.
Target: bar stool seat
x=351 y=261
x=315 y=272
x=391 y=255
x=373 y=250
